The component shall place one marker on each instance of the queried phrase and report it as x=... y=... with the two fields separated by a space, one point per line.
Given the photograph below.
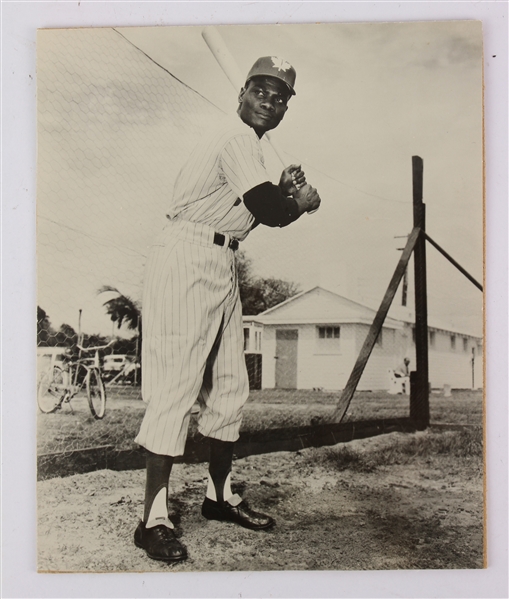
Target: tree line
x=66 y=336
x=257 y=294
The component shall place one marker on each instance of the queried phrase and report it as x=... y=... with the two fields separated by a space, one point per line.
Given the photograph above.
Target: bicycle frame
x=62 y=384
x=73 y=386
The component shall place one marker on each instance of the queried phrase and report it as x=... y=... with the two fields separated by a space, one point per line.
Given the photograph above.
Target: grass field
x=69 y=430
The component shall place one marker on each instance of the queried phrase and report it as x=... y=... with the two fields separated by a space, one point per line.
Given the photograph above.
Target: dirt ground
x=423 y=514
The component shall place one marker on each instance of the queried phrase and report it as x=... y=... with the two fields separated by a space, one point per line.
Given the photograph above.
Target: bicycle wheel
x=51 y=390
x=96 y=393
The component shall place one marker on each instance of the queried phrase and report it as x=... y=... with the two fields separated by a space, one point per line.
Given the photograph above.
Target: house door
x=286 y=358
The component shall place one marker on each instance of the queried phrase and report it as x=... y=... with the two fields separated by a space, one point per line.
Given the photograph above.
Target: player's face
x=263 y=103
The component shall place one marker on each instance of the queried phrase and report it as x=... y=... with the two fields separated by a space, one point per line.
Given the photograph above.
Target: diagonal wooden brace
x=376 y=327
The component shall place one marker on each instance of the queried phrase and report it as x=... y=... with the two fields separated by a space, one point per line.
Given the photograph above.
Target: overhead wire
x=367 y=193
x=126 y=249
x=94 y=238
x=167 y=71
x=378 y=197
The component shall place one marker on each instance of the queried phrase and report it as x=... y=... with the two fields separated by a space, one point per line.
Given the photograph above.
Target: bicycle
x=60 y=385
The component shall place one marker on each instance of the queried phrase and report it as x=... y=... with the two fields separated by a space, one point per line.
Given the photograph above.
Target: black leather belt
x=220 y=239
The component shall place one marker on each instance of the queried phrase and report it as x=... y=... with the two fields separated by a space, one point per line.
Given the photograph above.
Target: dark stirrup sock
x=220 y=465
x=158 y=476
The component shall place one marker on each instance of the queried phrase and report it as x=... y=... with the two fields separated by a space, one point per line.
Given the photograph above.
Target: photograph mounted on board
x=260 y=298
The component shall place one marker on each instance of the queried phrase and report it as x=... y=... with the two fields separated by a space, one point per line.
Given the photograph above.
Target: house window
x=465 y=344
x=328 y=332
x=432 y=338
x=246 y=339
x=328 y=340
x=453 y=342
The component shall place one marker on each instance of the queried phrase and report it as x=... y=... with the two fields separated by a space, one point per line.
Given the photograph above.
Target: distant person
x=402 y=371
x=402 y=376
x=193 y=343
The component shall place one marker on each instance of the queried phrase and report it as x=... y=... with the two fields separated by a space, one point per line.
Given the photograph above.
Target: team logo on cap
x=280 y=64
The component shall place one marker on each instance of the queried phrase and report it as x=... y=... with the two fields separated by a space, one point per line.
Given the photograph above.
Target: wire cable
x=167 y=71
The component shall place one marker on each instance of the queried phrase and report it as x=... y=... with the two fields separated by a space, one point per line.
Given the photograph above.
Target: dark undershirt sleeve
x=269 y=206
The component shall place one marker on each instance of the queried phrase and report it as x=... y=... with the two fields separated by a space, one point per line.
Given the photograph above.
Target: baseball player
x=192 y=315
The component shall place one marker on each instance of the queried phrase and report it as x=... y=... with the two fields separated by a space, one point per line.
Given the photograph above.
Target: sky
x=369 y=96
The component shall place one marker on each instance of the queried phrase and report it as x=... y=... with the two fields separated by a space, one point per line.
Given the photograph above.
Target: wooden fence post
x=419 y=391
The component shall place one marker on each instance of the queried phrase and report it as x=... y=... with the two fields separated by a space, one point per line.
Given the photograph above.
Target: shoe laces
x=164 y=533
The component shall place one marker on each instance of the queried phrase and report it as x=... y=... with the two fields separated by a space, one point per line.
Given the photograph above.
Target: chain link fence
x=113 y=130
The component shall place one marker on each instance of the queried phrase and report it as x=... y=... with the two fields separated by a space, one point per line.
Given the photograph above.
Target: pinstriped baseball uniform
x=192 y=316
x=221 y=169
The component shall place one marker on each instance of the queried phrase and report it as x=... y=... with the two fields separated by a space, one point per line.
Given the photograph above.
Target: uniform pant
x=193 y=341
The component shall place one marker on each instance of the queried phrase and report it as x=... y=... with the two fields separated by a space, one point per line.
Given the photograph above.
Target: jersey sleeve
x=270 y=207
x=241 y=163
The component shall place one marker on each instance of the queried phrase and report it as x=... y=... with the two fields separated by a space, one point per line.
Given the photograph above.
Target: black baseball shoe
x=235 y=510
x=159 y=543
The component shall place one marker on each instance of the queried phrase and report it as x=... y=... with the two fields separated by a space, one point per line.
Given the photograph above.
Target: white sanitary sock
x=159 y=510
x=227 y=491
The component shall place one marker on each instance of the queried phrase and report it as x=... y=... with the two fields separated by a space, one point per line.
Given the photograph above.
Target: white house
x=312 y=340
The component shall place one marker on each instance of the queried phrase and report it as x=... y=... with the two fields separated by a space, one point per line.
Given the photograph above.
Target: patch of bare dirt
x=425 y=514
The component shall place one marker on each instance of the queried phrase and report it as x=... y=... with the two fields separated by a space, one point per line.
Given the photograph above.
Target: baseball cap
x=273 y=66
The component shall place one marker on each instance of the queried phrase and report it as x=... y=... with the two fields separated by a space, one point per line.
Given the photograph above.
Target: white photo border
x=20 y=21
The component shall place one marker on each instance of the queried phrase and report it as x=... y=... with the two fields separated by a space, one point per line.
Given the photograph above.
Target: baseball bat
x=230 y=68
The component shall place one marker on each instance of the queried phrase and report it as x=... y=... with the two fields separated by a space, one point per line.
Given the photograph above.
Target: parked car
x=115 y=362
x=121 y=369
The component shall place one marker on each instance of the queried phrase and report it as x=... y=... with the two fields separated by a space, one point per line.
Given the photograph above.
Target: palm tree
x=124 y=310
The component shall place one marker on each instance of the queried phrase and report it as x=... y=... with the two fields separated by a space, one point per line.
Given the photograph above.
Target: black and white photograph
x=258 y=357
x=260 y=269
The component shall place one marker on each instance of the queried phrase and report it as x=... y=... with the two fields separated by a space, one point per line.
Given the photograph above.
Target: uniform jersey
x=222 y=168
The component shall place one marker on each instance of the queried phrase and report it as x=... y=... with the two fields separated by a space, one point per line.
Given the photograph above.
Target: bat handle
x=298 y=186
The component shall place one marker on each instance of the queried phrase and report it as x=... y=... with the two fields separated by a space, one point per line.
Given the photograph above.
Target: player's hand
x=307 y=199
x=292 y=178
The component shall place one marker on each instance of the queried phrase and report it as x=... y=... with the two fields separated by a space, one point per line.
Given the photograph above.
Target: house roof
x=407 y=315
x=320 y=306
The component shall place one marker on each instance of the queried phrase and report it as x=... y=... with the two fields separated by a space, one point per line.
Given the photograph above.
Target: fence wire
x=113 y=129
